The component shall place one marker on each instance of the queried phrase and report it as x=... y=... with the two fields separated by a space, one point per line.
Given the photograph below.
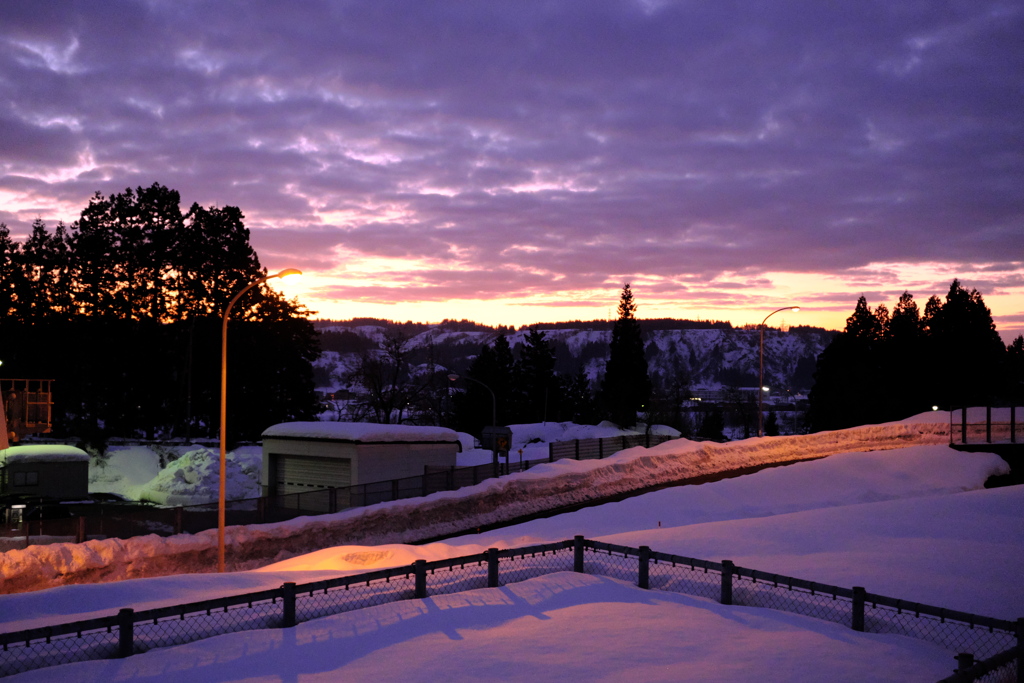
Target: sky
x=518 y=162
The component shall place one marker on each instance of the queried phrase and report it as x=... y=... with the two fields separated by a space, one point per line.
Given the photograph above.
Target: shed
x=305 y=456
x=44 y=471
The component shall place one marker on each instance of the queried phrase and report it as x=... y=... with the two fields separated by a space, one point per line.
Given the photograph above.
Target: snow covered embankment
x=545 y=487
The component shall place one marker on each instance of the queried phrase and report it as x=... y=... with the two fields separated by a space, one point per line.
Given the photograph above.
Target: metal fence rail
x=961 y=431
x=971 y=636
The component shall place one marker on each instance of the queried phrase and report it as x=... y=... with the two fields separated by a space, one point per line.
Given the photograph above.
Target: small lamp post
x=222 y=489
x=760 y=384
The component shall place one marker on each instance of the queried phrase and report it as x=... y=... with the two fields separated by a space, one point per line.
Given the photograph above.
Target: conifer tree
x=627 y=385
x=11 y=276
x=848 y=377
x=964 y=340
x=539 y=388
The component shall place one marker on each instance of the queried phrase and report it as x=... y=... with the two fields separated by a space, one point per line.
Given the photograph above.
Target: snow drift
x=545 y=487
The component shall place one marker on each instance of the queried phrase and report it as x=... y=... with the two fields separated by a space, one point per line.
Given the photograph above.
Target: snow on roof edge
x=362 y=432
x=42 y=453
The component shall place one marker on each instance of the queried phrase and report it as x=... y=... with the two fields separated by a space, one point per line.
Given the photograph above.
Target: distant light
x=765 y=389
x=935 y=407
x=453 y=377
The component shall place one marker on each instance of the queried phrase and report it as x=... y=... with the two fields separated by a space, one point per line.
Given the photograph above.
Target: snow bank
x=545 y=487
x=125 y=470
x=194 y=478
x=175 y=475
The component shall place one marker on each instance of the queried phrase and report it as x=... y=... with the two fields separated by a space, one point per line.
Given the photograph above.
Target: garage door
x=301 y=473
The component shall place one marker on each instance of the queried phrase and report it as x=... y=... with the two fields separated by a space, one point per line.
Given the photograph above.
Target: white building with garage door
x=304 y=456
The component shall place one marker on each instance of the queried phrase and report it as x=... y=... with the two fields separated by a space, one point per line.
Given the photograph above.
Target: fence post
x=858 y=608
x=645 y=567
x=332 y=499
x=600 y=449
x=125 y=632
x=623 y=443
x=1020 y=654
x=420 y=569
x=964 y=661
x=1013 y=428
x=577 y=554
x=727 y=568
x=963 y=425
x=551 y=451
x=179 y=516
x=288 y=604
x=577 y=445
x=80 y=534
x=492 y=568
x=988 y=424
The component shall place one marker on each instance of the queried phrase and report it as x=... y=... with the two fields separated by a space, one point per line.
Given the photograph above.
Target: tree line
x=123 y=309
x=886 y=366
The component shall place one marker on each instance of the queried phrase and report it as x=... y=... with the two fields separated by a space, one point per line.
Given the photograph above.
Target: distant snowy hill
x=709 y=359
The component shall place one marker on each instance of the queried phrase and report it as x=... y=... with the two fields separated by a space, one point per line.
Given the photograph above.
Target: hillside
x=712 y=358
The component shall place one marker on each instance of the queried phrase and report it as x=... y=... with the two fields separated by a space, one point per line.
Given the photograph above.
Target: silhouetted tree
x=883 y=368
x=123 y=310
x=848 y=379
x=627 y=384
x=539 y=388
x=964 y=339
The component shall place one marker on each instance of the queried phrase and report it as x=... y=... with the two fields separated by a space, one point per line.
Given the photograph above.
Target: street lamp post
x=222 y=489
x=494 y=416
x=760 y=383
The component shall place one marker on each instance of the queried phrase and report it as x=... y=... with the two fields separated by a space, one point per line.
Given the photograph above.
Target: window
x=26 y=478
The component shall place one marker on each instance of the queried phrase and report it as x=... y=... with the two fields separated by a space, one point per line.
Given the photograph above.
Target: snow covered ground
x=913 y=523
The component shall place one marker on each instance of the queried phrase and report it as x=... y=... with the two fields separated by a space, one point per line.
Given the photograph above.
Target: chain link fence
x=995 y=642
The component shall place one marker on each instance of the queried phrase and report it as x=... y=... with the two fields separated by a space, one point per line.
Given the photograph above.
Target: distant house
x=44 y=471
x=299 y=457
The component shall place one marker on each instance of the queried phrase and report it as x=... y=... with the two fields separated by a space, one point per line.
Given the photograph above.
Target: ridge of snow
x=544 y=487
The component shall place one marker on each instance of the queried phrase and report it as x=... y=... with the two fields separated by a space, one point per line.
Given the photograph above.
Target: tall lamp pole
x=222 y=489
x=760 y=383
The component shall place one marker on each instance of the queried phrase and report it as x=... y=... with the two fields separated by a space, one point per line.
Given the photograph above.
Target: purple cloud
x=582 y=143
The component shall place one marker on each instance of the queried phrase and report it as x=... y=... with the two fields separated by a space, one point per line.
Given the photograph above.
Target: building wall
x=379 y=462
x=62 y=479
x=369 y=462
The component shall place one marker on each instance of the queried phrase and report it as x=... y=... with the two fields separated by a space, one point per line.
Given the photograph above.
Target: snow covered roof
x=43 y=453
x=361 y=432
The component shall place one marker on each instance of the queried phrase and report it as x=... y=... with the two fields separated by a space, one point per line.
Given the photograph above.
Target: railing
x=128 y=632
x=961 y=431
x=118 y=521
x=590 y=449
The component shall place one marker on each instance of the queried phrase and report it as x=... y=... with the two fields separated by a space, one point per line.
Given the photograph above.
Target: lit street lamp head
x=287 y=272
